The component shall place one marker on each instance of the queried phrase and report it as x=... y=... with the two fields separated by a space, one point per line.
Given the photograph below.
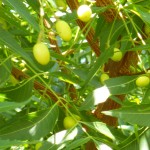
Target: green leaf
x=7 y=143
x=100 y=140
x=103 y=58
x=69 y=78
x=20 y=92
x=88 y=104
x=100 y=146
x=5 y=106
x=95 y=98
x=32 y=126
x=34 y=4
x=131 y=142
x=61 y=139
x=23 y=12
x=146 y=98
x=78 y=142
x=15 y=23
x=63 y=58
x=110 y=32
x=142 y=12
x=121 y=85
x=140 y=47
x=101 y=128
x=10 y=41
x=132 y=146
x=138 y=114
x=5 y=72
x=81 y=72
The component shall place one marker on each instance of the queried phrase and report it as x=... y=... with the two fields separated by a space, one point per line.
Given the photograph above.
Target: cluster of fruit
x=40 y=50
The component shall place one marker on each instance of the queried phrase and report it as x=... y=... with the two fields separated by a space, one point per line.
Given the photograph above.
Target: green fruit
x=104 y=77
x=142 y=81
x=84 y=13
x=61 y=4
x=63 y=30
x=41 y=53
x=117 y=55
x=147 y=30
x=70 y=122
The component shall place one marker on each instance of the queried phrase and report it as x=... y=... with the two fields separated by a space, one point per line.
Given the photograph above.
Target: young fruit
x=41 y=53
x=104 y=77
x=117 y=55
x=84 y=13
x=142 y=81
x=147 y=30
x=63 y=30
x=70 y=122
x=61 y=4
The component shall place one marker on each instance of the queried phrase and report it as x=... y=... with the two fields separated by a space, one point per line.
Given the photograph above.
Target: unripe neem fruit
x=142 y=81
x=70 y=122
x=117 y=56
x=63 y=30
x=104 y=77
x=84 y=13
x=41 y=53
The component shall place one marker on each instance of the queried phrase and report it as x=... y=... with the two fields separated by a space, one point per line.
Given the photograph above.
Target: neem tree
x=74 y=74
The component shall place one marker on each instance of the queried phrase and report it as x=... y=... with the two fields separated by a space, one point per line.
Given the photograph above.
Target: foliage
x=35 y=98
